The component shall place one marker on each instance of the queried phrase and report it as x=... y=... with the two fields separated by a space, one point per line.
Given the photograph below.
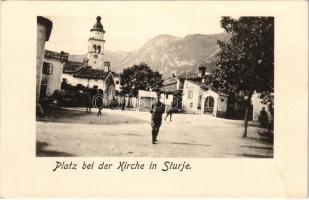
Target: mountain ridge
x=168 y=54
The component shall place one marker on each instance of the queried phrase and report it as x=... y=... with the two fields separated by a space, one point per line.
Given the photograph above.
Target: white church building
x=93 y=71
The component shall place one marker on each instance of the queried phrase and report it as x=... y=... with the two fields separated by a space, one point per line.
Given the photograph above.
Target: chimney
x=201 y=71
x=173 y=75
x=85 y=62
x=106 y=66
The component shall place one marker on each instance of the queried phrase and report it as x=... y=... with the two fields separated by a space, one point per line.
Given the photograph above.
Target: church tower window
x=96 y=45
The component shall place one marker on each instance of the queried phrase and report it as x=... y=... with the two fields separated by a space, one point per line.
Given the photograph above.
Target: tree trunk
x=129 y=102
x=246 y=121
x=247 y=105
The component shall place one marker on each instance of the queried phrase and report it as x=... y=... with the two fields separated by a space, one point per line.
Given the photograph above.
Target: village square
x=86 y=108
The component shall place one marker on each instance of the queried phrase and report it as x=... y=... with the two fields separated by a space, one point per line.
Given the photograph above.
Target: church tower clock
x=96 y=45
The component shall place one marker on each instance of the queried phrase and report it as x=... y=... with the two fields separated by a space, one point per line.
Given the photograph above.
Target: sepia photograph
x=204 y=98
x=106 y=86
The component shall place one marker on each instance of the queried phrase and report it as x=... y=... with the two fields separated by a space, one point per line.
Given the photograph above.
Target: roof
x=190 y=74
x=193 y=73
x=202 y=85
x=115 y=74
x=62 y=56
x=89 y=73
x=169 y=88
x=71 y=67
x=170 y=81
x=98 y=26
x=48 y=24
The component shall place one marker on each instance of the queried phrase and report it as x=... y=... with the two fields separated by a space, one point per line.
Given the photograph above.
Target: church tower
x=96 y=45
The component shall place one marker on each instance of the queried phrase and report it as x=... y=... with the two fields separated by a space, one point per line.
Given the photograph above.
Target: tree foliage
x=246 y=59
x=140 y=77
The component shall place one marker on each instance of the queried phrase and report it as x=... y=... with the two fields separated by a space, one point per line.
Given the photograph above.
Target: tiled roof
x=89 y=73
x=62 y=56
x=170 y=81
x=71 y=67
x=169 y=88
x=202 y=85
x=190 y=74
x=193 y=72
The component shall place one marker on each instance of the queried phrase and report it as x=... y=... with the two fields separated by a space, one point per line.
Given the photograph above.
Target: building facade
x=192 y=96
x=44 y=28
x=51 y=72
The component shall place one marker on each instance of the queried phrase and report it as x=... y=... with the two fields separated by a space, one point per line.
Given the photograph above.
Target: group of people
x=95 y=99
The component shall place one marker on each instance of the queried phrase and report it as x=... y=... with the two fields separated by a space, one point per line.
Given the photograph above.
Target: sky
x=126 y=33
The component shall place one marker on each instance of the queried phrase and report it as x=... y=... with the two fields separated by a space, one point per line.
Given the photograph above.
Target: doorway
x=209 y=105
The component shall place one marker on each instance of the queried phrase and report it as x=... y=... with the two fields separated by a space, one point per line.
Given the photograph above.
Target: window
x=117 y=82
x=47 y=68
x=191 y=105
x=190 y=94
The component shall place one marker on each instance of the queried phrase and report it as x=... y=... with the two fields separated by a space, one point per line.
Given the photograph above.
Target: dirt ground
x=73 y=132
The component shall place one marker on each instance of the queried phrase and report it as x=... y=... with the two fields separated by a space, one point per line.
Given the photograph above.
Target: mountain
x=169 y=54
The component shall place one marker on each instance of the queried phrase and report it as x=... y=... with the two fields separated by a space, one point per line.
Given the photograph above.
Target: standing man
x=157 y=110
x=263 y=118
x=88 y=97
x=99 y=101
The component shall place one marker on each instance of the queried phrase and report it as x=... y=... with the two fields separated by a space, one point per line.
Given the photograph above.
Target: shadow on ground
x=255 y=155
x=42 y=152
x=258 y=140
x=82 y=117
x=183 y=143
x=258 y=147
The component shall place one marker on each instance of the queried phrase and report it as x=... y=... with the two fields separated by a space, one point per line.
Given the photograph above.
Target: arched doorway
x=209 y=105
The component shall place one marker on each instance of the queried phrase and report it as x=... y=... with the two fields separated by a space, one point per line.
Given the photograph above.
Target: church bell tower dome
x=98 y=26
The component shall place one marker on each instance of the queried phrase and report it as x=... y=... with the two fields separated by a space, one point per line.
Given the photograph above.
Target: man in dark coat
x=99 y=102
x=263 y=118
x=157 y=110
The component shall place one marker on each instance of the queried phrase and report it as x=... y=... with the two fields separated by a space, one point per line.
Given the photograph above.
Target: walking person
x=157 y=110
x=173 y=109
x=88 y=97
x=99 y=102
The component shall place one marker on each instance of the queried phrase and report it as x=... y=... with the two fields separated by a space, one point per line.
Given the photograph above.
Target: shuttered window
x=47 y=68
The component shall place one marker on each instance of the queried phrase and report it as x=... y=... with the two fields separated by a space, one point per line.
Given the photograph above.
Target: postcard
x=154 y=99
